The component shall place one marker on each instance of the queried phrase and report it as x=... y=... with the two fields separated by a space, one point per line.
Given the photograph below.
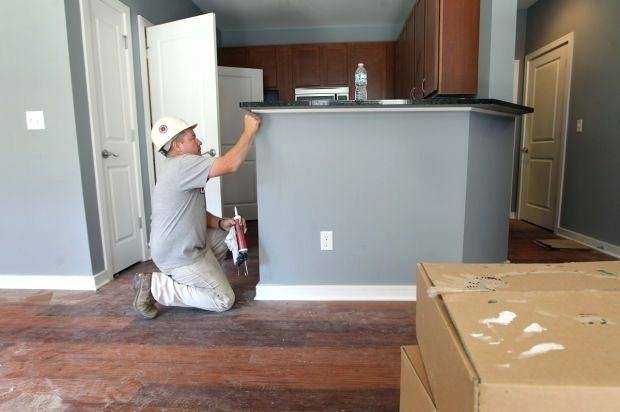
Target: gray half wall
x=391 y=187
x=591 y=197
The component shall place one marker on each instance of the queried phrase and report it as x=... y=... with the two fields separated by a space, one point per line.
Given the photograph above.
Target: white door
x=546 y=91
x=238 y=85
x=182 y=66
x=108 y=45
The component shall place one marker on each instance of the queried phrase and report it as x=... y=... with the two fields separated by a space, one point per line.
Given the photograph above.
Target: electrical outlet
x=327 y=240
x=579 y=125
x=35 y=120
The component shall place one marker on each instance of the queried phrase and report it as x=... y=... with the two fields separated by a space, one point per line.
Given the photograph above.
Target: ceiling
x=289 y=14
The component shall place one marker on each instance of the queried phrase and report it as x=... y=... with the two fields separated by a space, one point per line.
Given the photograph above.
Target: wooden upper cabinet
x=374 y=56
x=232 y=57
x=431 y=46
x=264 y=57
x=437 y=49
x=333 y=62
x=418 y=50
x=306 y=65
x=285 y=74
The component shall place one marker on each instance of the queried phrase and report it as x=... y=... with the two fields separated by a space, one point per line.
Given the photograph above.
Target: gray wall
x=591 y=198
x=43 y=225
x=391 y=187
x=488 y=188
x=232 y=38
x=498 y=21
x=156 y=11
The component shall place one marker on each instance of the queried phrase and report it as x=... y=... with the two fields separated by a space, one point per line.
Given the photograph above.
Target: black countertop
x=484 y=104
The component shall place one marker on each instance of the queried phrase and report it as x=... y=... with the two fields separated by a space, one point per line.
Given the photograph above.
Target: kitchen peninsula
x=396 y=181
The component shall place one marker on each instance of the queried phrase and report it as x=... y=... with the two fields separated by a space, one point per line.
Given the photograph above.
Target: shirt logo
x=163 y=129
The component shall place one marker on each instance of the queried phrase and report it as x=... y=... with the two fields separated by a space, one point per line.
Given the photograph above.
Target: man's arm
x=223 y=223
x=234 y=158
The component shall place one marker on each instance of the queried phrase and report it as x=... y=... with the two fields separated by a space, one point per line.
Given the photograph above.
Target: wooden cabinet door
x=285 y=73
x=374 y=57
x=333 y=64
x=232 y=57
x=306 y=65
x=264 y=57
x=418 y=48
x=431 y=47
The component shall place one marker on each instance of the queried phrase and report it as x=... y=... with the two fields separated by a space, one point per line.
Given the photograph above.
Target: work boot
x=143 y=301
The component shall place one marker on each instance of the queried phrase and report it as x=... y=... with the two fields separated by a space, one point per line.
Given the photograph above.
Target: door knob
x=525 y=150
x=105 y=153
x=210 y=152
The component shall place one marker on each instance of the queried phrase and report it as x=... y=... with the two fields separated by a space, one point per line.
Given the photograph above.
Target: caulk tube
x=240 y=235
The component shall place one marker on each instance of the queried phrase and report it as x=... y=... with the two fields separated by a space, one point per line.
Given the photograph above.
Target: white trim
x=52 y=282
x=332 y=109
x=512 y=215
x=91 y=91
x=601 y=246
x=336 y=292
x=146 y=98
x=569 y=40
x=102 y=278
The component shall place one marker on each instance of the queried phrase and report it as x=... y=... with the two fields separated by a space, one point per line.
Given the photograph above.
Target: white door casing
x=547 y=90
x=109 y=72
x=182 y=66
x=238 y=85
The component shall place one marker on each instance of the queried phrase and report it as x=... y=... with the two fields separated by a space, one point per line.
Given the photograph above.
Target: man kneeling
x=187 y=242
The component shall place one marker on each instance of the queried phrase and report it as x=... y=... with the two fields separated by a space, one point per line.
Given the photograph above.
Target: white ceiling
x=288 y=14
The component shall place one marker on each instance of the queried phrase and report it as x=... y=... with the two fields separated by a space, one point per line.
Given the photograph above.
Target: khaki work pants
x=202 y=284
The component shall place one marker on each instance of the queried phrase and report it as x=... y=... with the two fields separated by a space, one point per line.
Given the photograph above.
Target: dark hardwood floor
x=88 y=351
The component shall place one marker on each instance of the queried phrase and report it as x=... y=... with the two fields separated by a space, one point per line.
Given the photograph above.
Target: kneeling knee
x=226 y=302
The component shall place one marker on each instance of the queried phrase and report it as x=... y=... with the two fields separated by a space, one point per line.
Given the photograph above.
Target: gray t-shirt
x=178 y=221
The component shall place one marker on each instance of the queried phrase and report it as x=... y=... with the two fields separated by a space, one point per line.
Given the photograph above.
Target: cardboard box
x=533 y=337
x=415 y=393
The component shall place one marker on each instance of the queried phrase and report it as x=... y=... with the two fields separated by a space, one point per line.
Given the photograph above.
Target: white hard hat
x=165 y=129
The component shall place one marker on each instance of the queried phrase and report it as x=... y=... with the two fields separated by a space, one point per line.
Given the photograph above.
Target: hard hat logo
x=163 y=128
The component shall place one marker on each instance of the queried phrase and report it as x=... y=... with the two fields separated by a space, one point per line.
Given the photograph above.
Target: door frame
x=146 y=99
x=94 y=121
x=569 y=40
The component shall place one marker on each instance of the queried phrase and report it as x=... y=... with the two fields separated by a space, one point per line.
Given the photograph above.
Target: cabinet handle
x=423 y=91
x=412 y=94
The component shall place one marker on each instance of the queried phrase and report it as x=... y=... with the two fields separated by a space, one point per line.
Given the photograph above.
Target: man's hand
x=251 y=123
x=226 y=223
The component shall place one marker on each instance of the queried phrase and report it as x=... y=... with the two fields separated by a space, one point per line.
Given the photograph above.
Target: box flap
x=415 y=392
x=452 y=278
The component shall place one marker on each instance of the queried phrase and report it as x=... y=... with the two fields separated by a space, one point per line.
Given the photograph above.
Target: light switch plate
x=35 y=120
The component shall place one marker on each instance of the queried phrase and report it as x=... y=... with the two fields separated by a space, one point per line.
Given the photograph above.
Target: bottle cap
x=360 y=64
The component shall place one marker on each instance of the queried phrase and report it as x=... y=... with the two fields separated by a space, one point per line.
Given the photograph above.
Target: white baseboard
x=513 y=215
x=336 y=292
x=102 y=278
x=608 y=248
x=53 y=282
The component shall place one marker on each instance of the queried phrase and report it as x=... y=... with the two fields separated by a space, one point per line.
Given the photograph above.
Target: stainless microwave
x=321 y=93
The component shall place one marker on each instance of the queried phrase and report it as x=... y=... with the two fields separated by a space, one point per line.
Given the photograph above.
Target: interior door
x=114 y=128
x=238 y=85
x=542 y=138
x=182 y=58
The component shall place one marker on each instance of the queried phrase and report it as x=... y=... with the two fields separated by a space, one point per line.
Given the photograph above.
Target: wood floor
x=88 y=351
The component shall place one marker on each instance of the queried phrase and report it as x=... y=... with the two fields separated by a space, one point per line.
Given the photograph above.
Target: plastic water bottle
x=361 y=81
